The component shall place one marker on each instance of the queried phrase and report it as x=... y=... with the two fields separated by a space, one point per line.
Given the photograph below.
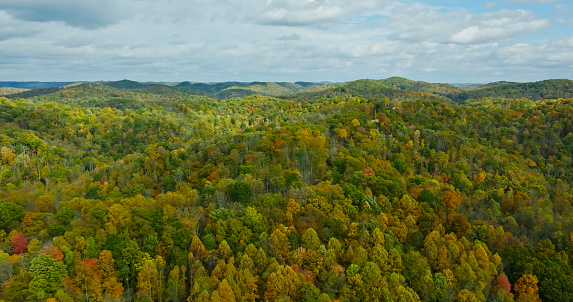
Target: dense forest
x=372 y=190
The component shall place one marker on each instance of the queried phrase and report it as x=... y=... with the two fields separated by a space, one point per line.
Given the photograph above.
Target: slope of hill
x=498 y=83
x=211 y=88
x=436 y=88
x=261 y=88
x=227 y=90
x=128 y=84
x=11 y=90
x=548 y=89
x=154 y=88
x=366 y=89
x=103 y=94
x=34 y=92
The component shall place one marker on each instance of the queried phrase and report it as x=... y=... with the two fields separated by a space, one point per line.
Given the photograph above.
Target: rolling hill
x=11 y=90
x=366 y=89
x=393 y=88
x=548 y=89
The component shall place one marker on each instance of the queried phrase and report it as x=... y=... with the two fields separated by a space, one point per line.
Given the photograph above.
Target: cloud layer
x=283 y=40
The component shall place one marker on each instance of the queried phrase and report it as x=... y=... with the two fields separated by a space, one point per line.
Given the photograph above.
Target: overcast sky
x=285 y=40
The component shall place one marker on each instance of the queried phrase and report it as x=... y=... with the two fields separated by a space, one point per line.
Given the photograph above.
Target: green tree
x=310 y=239
x=372 y=278
x=47 y=277
x=10 y=215
x=240 y=192
x=323 y=298
x=176 y=284
x=65 y=215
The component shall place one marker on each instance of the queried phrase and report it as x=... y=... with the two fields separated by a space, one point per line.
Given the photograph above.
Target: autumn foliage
x=160 y=194
x=19 y=244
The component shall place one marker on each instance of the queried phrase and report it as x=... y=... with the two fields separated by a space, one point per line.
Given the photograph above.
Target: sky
x=442 y=41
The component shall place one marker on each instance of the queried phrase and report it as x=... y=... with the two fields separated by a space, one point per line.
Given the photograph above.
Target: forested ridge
x=372 y=190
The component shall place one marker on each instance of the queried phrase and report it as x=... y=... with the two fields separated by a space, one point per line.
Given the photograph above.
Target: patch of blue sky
x=545 y=10
x=561 y=17
x=556 y=32
x=532 y=39
x=552 y=32
x=542 y=10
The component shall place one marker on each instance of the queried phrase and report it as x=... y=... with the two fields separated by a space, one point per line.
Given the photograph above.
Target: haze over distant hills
x=34 y=85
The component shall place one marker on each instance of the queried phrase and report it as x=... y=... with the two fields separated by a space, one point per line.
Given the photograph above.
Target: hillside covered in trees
x=372 y=190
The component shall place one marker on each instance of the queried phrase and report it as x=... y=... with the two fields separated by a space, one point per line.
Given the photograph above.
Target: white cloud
x=13 y=28
x=291 y=37
x=282 y=16
x=498 y=27
x=544 y=53
x=462 y=27
x=311 y=12
x=415 y=23
x=80 y=13
x=563 y=14
x=221 y=40
x=89 y=14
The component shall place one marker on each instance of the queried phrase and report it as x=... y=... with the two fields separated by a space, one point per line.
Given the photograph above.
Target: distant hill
x=227 y=90
x=262 y=88
x=366 y=89
x=467 y=86
x=208 y=87
x=308 y=84
x=548 y=89
x=33 y=89
x=127 y=84
x=35 y=85
x=153 y=88
x=11 y=90
x=394 y=88
x=103 y=94
x=34 y=92
x=89 y=94
x=405 y=84
x=493 y=84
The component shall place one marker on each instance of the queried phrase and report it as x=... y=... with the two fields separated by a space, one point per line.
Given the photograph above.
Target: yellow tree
x=310 y=239
x=197 y=248
x=341 y=133
x=526 y=288
x=284 y=282
x=293 y=209
x=225 y=291
x=224 y=251
x=116 y=218
x=452 y=199
x=379 y=255
x=278 y=240
x=246 y=262
x=112 y=289
x=148 y=280
x=248 y=284
x=87 y=280
x=176 y=283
